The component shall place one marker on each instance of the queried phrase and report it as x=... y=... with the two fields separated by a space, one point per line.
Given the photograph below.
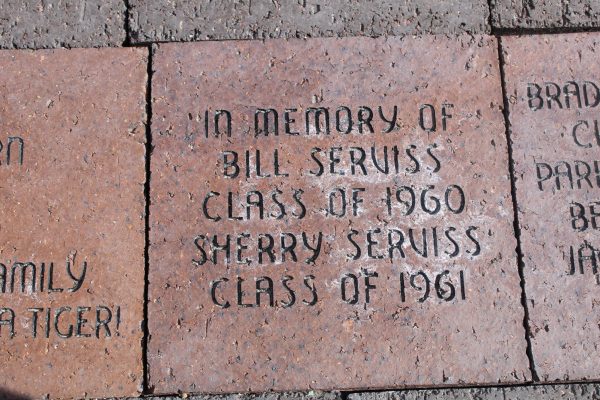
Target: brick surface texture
x=434 y=394
x=341 y=199
x=210 y=20
x=549 y=392
x=587 y=391
x=263 y=396
x=556 y=145
x=72 y=222
x=545 y=13
x=435 y=314
x=61 y=23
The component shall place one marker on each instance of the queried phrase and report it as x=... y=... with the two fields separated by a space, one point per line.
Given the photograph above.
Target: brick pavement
x=481 y=284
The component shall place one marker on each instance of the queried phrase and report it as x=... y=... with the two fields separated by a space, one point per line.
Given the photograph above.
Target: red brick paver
x=328 y=267
x=71 y=221
x=556 y=148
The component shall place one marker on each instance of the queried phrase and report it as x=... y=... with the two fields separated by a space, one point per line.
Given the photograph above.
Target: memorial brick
x=254 y=19
x=331 y=214
x=72 y=146
x=556 y=151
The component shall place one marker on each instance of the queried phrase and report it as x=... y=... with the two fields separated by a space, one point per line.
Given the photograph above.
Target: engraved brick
x=452 y=316
x=205 y=20
x=556 y=149
x=61 y=23
x=545 y=13
x=72 y=222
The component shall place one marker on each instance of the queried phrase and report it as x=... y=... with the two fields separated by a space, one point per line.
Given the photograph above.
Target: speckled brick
x=588 y=391
x=72 y=147
x=61 y=23
x=556 y=149
x=458 y=318
x=389 y=395
x=434 y=394
x=261 y=396
x=545 y=13
x=229 y=19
